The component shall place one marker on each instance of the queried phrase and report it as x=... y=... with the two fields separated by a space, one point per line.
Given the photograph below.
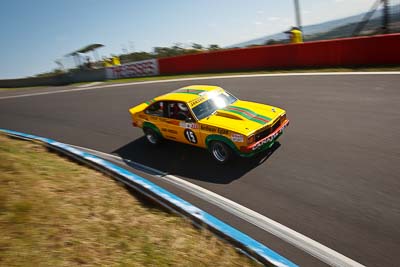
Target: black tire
x=152 y=136
x=220 y=152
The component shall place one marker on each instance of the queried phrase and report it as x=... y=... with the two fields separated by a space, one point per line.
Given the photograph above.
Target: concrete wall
x=36 y=81
x=87 y=76
x=62 y=79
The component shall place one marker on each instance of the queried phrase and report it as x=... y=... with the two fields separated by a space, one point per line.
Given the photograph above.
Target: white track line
x=300 y=241
x=205 y=78
x=89 y=84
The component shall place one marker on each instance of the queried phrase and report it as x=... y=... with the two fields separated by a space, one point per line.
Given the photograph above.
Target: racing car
x=212 y=118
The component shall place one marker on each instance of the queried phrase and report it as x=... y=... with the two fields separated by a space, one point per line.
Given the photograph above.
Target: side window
x=178 y=111
x=156 y=109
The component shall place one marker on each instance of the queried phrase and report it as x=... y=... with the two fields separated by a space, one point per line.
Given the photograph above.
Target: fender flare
x=150 y=125
x=220 y=138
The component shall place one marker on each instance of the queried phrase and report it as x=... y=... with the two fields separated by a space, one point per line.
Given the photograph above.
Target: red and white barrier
x=357 y=51
x=134 y=69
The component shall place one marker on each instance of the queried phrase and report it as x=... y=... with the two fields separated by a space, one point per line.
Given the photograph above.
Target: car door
x=158 y=115
x=155 y=113
x=180 y=125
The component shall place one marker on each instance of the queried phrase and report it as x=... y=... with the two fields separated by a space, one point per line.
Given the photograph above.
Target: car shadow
x=189 y=161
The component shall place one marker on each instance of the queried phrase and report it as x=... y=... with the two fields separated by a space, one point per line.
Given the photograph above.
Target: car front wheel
x=220 y=152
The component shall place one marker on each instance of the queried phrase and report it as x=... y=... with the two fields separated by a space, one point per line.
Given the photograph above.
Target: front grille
x=267 y=131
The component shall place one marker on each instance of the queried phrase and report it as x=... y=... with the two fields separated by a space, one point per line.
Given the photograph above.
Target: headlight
x=250 y=139
x=283 y=118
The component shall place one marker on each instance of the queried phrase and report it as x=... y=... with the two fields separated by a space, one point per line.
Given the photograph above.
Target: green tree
x=214 y=47
x=197 y=46
x=273 y=41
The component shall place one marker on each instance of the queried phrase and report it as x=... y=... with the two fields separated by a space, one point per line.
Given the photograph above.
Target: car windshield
x=208 y=107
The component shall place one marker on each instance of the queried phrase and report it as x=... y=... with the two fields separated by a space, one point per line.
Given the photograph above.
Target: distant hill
x=331 y=29
x=372 y=27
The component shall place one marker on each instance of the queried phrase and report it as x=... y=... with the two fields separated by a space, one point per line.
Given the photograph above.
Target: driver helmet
x=182 y=107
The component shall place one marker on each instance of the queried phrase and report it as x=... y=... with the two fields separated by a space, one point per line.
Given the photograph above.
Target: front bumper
x=263 y=144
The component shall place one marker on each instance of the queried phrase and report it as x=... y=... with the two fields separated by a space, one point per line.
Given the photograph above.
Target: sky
x=36 y=33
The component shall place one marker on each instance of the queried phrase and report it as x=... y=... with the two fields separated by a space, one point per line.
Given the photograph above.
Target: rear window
x=156 y=109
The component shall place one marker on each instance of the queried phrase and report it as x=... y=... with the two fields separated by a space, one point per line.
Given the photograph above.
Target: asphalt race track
x=334 y=176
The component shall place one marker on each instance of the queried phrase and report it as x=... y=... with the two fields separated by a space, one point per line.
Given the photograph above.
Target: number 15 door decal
x=190 y=136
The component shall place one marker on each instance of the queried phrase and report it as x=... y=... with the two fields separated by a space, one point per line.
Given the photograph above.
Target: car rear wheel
x=152 y=136
x=220 y=152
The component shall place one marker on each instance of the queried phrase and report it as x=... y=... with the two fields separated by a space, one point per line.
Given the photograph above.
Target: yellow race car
x=210 y=117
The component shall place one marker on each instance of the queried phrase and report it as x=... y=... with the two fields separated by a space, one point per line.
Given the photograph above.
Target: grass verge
x=22 y=88
x=54 y=212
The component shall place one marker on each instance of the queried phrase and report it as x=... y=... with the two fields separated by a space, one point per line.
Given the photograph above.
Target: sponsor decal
x=222 y=131
x=188 y=125
x=213 y=129
x=208 y=128
x=237 y=138
x=169 y=121
x=173 y=122
x=134 y=69
x=190 y=136
x=172 y=131
x=269 y=139
x=169 y=131
x=196 y=101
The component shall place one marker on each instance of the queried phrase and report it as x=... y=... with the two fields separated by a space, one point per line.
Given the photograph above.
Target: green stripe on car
x=252 y=112
x=246 y=116
x=190 y=91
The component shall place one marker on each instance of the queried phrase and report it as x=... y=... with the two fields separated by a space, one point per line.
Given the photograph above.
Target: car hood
x=244 y=117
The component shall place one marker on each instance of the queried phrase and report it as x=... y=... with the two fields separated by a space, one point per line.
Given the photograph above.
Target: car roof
x=189 y=93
